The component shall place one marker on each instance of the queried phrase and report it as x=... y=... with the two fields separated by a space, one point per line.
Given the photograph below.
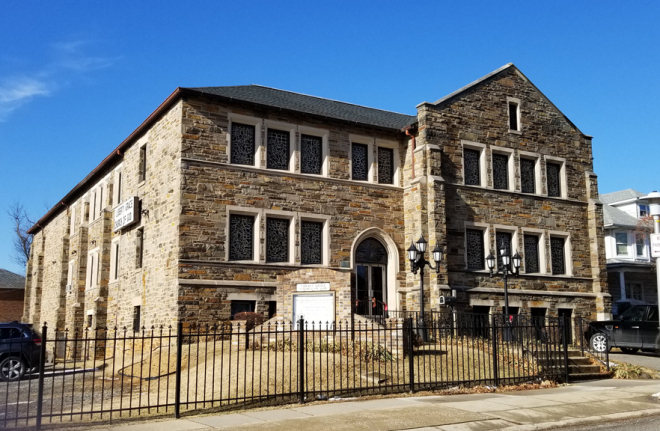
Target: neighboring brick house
x=12 y=288
x=630 y=269
x=242 y=194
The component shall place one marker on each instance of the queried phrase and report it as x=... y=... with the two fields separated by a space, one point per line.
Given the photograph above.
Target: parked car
x=20 y=348
x=635 y=329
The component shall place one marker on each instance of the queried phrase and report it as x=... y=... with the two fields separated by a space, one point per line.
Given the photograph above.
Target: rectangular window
x=69 y=276
x=502 y=240
x=243 y=138
x=118 y=189
x=114 y=260
x=241 y=237
x=513 y=116
x=90 y=320
x=621 y=243
x=500 y=171
x=643 y=211
x=277 y=240
x=634 y=291
x=532 y=261
x=527 y=175
x=72 y=227
x=139 y=252
x=242 y=307
x=94 y=208
x=136 y=318
x=311 y=242
x=360 y=162
x=553 y=173
x=474 y=244
x=142 y=171
x=472 y=167
x=639 y=244
x=311 y=154
x=385 y=165
x=558 y=255
x=277 y=149
x=100 y=200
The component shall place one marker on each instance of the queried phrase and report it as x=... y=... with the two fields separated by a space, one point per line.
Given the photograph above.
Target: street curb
x=585 y=421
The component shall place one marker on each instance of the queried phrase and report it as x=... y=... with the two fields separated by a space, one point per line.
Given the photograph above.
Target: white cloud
x=16 y=92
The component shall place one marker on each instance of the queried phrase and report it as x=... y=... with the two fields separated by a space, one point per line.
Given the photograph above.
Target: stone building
x=248 y=198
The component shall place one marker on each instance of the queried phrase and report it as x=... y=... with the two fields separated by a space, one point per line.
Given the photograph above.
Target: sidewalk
x=578 y=404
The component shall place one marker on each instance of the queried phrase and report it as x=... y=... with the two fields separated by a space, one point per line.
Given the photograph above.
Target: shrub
x=627 y=371
x=251 y=319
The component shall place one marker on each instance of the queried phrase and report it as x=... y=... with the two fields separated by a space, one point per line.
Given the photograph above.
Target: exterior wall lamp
x=417 y=263
x=510 y=266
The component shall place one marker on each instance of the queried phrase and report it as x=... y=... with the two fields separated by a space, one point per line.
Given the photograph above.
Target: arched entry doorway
x=370 y=278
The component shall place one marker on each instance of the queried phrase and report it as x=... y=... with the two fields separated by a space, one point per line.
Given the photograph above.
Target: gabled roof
x=298 y=102
x=10 y=280
x=615 y=217
x=620 y=196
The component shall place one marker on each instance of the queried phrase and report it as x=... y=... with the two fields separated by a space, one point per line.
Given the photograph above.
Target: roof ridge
x=309 y=95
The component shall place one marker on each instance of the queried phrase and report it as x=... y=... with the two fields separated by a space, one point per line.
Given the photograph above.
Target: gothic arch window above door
x=371 y=251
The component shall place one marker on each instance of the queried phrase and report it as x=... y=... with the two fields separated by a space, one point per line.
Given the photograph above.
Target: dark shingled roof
x=312 y=105
x=10 y=280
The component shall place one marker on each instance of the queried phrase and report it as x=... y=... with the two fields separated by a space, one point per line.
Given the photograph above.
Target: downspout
x=413 y=151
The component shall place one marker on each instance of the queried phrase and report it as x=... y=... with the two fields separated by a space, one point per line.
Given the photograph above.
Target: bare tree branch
x=22 y=240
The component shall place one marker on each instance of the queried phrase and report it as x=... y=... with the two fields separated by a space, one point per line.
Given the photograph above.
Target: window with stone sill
x=311 y=242
x=241 y=237
x=502 y=239
x=500 y=171
x=474 y=244
x=242 y=144
x=558 y=255
x=385 y=165
x=471 y=167
x=277 y=240
x=553 y=174
x=360 y=162
x=531 y=250
x=527 y=175
x=513 y=116
x=311 y=154
x=277 y=149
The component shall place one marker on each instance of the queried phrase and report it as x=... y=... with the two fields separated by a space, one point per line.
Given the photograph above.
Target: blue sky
x=77 y=77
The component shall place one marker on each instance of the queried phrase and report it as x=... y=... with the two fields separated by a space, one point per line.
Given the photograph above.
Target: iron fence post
x=411 y=360
x=564 y=342
x=177 y=389
x=495 y=365
x=42 y=365
x=607 y=349
x=301 y=360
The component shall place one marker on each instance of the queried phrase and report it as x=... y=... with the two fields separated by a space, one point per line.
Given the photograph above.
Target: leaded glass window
x=554 y=182
x=500 y=171
x=557 y=254
x=502 y=239
x=241 y=237
x=277 y=150
x=242 y=144
x=531 y=253
x=474 y=243
x=360 y=161
x=385 y=165
x=527 y=175
x=277 y=240
x=311 y=154
x=472 y=170
x=311 y=242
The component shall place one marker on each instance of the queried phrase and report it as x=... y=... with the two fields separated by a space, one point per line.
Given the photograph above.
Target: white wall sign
x=655 y=245
x=126 y=213
x=315 y=307
x=312 y=287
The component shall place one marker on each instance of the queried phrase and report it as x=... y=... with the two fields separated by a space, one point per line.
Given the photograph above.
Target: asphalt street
x=642 y=359
x=649 y=423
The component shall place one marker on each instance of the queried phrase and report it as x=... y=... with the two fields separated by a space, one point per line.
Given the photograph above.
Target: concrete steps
x=579 y=367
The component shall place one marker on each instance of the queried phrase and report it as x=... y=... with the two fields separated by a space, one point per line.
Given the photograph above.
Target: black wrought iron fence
x=102 y=375
x=592 y=342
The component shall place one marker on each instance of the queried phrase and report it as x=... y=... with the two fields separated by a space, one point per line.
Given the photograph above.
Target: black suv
x=20 y=347
x=635 y=329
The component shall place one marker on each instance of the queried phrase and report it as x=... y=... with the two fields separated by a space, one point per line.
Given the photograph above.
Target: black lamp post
x=418 y=262
x=510 y=266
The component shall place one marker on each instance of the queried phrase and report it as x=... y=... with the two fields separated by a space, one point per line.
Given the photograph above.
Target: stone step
x=586 y=376
x=583 y=369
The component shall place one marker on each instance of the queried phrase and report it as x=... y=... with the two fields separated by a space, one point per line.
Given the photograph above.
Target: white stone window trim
x=72 y=219
x=114 y=245
x=69 y=276
x=369 y=142
x=516 y=101
x=92 y=276
x=486 y=229
x=543 y=266
x=562 y=176
x=536 y=157
x=514 y=239
x=325 y=237
x=258 y=144
x=291 y=236
x=568 y=255
x=510 y=171
x=616 y=243
x=320 y=133
x=396 y=162
x=84 y=207
x=118 y=182
x=256 y=233
x=483 y=174
x=284 y=127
